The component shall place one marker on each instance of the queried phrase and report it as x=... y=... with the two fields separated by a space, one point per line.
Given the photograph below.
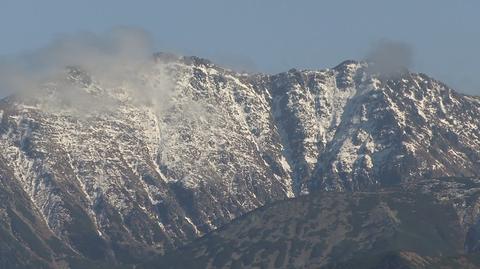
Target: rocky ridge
x=138 y=176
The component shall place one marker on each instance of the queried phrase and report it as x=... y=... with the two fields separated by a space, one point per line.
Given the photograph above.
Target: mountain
x=116 y=174
x=393 y=228
x=348 y=129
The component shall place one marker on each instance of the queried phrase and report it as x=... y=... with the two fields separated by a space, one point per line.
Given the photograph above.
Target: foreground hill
x=393 y=228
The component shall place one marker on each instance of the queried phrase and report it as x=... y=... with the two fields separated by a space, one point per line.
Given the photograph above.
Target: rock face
x=116 y=174
x=346 y=129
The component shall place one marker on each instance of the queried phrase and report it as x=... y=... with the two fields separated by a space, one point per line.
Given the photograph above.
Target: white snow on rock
x=190 y=146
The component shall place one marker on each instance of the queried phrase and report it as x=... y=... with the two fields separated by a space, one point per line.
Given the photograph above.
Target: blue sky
x=268 y=35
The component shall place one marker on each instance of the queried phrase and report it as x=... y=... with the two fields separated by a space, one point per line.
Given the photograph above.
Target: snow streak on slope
x=187 y=146
x=137 y=175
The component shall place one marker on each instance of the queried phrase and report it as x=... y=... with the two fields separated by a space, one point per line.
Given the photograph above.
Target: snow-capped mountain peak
x=165 y=153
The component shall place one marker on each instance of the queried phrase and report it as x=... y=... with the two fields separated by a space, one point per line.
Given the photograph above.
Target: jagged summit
x=347 y=63
x=186 y=146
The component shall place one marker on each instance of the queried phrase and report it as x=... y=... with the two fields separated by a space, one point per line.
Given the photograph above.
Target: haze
x=268 y=36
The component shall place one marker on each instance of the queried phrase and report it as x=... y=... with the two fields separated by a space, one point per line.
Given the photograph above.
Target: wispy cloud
x=116 y=58
x=390 y=58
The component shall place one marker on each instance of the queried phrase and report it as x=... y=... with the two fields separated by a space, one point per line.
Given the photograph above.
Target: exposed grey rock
x=137 y=173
